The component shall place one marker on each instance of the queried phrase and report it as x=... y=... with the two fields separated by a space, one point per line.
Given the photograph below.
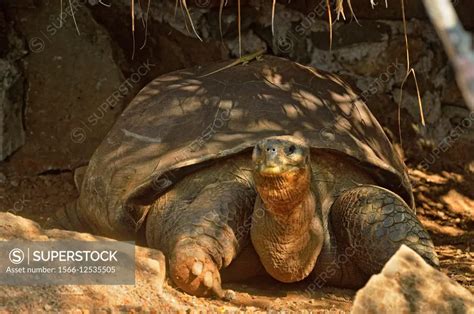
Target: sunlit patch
x=459 y=204
x=342 y=125
x=191 y=88
x=336 y=79
x=276 y=80
x=263 y=124
x=308 y=126
x=307 y=100
x=191 y=103
x=193 y=82
x=179 y=85
x=292 y=111
x=341 y=98
x=169 y=78
x=234 y=114
x=266 y=97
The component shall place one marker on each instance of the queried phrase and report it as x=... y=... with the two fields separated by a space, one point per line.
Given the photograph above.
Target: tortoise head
x=282 y=171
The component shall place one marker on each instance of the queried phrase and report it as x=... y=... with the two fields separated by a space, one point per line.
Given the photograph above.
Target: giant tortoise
x=271 y=164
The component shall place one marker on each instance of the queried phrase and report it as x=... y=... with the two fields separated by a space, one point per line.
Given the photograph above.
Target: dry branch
x=457 y=43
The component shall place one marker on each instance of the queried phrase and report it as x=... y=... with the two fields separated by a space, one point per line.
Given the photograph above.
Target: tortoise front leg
x=374 y=223
x=203 y=236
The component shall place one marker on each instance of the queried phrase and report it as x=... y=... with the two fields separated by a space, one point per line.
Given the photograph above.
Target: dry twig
x=457 y=43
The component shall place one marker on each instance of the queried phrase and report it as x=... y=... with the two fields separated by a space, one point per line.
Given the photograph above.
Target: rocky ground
x=68 y=77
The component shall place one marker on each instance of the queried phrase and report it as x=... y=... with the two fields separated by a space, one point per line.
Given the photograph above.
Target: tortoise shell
x=182 y=121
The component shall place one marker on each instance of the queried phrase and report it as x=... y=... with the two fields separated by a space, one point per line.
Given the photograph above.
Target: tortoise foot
x=194 y=271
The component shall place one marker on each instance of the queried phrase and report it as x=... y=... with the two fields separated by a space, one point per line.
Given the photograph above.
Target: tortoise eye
x=291 y=149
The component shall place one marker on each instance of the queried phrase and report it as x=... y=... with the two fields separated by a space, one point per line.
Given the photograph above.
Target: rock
x=75 y=90
x=168 y=30
x=364 y=10
x=145 y=294
x=12 y=82
x=407 y=284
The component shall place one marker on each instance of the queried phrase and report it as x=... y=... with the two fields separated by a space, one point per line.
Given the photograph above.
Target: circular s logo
x=16 y=256
x=285 y=44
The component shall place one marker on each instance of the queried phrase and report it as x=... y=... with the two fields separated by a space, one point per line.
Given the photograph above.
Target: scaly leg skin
x=67 y=218
x=374 y=223
x=203 y=235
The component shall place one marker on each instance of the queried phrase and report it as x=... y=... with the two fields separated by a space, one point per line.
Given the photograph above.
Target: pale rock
x=407 y=284
x=150 y=272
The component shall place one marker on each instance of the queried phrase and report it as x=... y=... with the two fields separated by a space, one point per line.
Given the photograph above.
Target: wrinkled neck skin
x=285 y=232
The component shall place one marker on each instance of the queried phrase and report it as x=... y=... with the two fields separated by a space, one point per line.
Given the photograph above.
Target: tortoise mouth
x=274 y=170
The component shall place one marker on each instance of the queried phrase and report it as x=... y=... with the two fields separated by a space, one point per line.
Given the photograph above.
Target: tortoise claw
x=208 y=281
x=197 y=268
x=229 y=295
x=226 y=295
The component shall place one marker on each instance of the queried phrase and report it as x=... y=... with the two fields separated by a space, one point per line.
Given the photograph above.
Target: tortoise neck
x=288 y=242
